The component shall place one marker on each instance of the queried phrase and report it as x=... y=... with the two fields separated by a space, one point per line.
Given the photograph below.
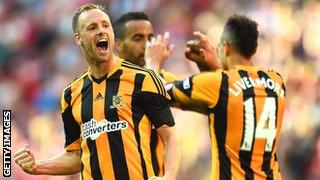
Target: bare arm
x=67 y=163
x=172 y=151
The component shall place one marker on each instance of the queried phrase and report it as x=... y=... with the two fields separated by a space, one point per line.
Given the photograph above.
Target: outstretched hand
x=158 y=51
x=202 y=52
x=25 y=159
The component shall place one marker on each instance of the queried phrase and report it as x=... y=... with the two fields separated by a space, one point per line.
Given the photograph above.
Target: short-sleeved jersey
x=246 y=106
x=110 y=120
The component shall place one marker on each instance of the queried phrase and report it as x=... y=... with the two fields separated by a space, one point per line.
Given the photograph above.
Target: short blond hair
x=83 y=8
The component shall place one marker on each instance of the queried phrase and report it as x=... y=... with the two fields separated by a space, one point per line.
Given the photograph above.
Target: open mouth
x=102 y=44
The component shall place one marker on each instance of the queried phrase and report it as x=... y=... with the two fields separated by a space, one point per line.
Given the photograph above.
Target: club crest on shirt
x=116 y=102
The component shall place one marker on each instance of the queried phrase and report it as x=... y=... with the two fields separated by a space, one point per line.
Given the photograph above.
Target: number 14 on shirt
x=266 y=128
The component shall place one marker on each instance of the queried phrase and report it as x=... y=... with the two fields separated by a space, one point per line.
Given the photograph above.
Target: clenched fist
x=25 y=159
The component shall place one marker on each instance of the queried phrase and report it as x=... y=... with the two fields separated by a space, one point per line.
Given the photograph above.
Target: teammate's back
x=254 y=103
x=245 y=103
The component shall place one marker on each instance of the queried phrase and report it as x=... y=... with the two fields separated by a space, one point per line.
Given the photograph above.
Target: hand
x=25 y=159
x=202 y=52
x=158 y=51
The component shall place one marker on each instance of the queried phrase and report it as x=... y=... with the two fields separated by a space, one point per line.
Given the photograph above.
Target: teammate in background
x=246 y=103
x=108 y=113
x=132 y=31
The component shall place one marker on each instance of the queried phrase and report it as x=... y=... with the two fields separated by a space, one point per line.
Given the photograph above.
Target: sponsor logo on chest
x=93 y=129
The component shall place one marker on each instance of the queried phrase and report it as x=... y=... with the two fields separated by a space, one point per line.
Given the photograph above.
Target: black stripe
x=156 y=83
x=270 y=93
x=267 y=156
x=144 y=70
x=133 y=65
x=71 y=127
x=184 y=87
x=220 y=126
x=266 y=165
x=153 y=146
x=120 y=167
x=76 y=129
x=86 y=106
x=137 y=114
x=67 y=95
x=246 y=156
x=86 y=115
x=154 y=76
x=284 y=88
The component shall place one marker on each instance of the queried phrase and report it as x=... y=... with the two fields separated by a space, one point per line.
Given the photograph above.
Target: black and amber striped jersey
x=246 y=106
x=110 y=120
x=156 y=144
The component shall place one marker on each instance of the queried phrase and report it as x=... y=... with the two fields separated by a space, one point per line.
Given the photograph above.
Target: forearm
x=64 y=164
x=172 y=156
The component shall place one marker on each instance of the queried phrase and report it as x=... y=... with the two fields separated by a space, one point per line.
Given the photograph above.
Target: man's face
x=95 y=35
x=132 y=47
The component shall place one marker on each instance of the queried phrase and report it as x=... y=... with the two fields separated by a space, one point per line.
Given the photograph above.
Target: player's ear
x=119 y=44
x=77 y=39
x=226 y=48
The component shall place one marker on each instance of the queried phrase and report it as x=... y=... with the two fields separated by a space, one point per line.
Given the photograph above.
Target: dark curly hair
x=119 y=26
x=242 y=33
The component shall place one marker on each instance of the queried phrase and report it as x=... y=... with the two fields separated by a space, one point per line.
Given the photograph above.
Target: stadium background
x=38 y=58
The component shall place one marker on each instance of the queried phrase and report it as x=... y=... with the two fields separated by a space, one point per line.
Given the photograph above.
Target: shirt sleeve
x=71 y=127
x=154 y=100
x=201 y=88
x=168 y=76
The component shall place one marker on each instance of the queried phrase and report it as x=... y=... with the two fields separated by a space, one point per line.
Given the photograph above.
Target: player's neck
x=100 y=69
x=240 y=60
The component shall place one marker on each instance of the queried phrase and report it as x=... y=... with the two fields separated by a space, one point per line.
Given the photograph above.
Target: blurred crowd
x=38 y=58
